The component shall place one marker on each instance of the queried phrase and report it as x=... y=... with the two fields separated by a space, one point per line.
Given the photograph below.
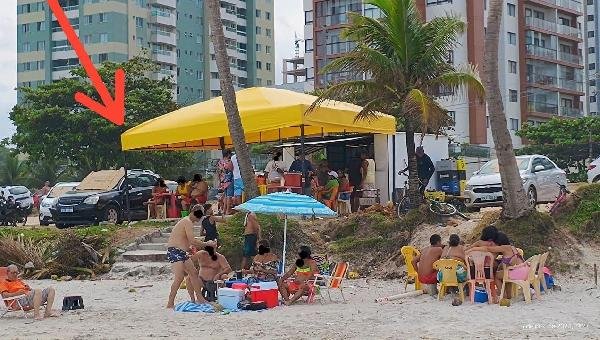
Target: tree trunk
x=236 y=130
x=515 y=199
x=414 y=194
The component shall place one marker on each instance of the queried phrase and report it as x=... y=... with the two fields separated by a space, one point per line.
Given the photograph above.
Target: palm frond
x=462 y=80
x=350 y=91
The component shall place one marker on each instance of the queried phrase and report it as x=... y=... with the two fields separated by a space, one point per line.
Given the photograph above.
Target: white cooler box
x=229 y=297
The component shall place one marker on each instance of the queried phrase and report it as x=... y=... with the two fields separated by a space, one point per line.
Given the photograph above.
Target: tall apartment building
x=540 y=57
x=173 y=33
x=593 y=43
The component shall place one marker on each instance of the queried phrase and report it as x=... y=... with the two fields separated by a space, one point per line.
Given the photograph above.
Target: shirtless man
x=213 y=267
x=251 y=238
x=424 y=262
x=180 y=241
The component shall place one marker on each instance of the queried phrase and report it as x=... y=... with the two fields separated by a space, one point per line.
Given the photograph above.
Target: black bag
x=209 y=291
x=72 y=303
x=246 y=305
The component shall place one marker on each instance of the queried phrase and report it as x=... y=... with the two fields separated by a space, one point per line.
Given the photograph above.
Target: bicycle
x=563 y=193
x=436 y=207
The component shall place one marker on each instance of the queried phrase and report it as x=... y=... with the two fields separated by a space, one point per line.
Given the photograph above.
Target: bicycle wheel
x=442 y=209
x=403 y=206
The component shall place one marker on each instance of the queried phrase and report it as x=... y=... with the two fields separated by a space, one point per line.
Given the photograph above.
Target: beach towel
x=190 y=307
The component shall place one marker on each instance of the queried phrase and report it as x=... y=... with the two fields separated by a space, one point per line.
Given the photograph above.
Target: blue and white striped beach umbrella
x=287 y=204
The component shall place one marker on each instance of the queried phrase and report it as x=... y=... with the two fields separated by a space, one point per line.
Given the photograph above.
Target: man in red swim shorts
x=424 y=262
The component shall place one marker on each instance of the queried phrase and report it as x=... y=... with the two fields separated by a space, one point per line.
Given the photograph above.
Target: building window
x=40 y=65
x=590 y=2
x=512 y=38
x=590 y=34
x=450 y=59
x=512 y=11
x=591 y=50
x=512 y=66
x=269 y=82
x=268 y=49
x=103 y=37
x=258 y=13
x=268 y=32
x=258 y=30
x=140 y=3
x=214 y=75
x=139 y=22
x=102 y=57
x=25 y=28
x=452 y=115
x=258 y=47
x=26 y=66
x=513 y=96
x=592 y=66
x=268 y=66
x=87 y=39
x=590 y=17
x=88 y=19
x=593 y=99
x=308 y=45
x=102 y=17
x=41 y=26
x=26 y=47
x=139 y=42
x=592 y=82
x=268 y=15
x=308 y=17
x=215 y=93
x=514 y=124
x=199 y=75
x=487 y=122
x=258 y=81
x=258 y=65
x=41 y=45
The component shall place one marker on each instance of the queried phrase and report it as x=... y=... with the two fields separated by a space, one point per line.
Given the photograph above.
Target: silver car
x=539 y=175
x=49 y=200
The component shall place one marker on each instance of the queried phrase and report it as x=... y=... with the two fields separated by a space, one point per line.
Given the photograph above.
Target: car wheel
x=532 y=196
x=44 y=223
x=61 y=226
x=596 y=180
x=112 y=215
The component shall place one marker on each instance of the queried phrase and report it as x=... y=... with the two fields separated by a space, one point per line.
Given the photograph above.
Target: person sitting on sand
x=213 y=267
x=488 y=237
x=510 y=257
x=180 y=241
x=303 y=270
x=264 y=265
x=33 y=299
x=424 y=262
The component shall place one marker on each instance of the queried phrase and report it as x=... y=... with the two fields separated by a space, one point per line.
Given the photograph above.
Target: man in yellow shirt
x=33 y=298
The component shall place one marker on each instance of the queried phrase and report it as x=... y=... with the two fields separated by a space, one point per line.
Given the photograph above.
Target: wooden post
x=596 y=275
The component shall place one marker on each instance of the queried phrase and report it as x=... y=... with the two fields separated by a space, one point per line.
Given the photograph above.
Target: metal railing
x=543 y=107
x=541 y=51
x=568 y=57
x=570 y=84
x=541 y=79
x=570 y=111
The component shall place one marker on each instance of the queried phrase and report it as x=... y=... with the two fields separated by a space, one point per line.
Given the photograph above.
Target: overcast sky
x=289 y=18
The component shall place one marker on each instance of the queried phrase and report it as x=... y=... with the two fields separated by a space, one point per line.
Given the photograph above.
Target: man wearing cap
x=331 y=188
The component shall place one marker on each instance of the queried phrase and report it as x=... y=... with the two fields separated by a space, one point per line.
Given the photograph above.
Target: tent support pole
x=284 y=243
x=303 y=179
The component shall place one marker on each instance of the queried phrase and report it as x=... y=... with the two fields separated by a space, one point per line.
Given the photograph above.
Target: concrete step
x=153 y=246
x=139 y=269
x=145 y=256
x=160 y=239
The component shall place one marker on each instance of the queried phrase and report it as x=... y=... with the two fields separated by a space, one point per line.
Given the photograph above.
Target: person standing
x=305 y=167
x=45 y=189
x=368 y=176
x=238 y=183
x=425 y=168
x=223 y=167
x=275 y=170
x=252 y=234
x=209 y=224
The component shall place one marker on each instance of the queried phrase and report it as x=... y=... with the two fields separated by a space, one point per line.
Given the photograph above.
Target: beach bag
x=247 y=305
x=72 y=303
x=209 y=291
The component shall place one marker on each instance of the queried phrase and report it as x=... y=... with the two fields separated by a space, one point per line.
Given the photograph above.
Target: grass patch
x=351 y=243
x=581 y=214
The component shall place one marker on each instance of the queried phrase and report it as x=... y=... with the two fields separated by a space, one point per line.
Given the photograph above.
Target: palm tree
x=515 y=200
x=14 y=171
x=236 y=130
x=403 y=61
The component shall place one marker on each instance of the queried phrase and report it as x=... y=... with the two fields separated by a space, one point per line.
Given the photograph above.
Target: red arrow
x=113 y=110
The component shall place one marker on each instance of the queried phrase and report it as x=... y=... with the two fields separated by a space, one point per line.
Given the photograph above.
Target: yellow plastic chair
x=531 y=279
x=409 y=253
x=539 y=275
x=448 y=269
x=262 y=189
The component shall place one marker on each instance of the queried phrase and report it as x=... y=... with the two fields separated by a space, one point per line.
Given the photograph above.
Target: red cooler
x=266 y=292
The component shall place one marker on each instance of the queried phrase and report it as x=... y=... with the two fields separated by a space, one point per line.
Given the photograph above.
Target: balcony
x=570 y=84
x=543 y=107
x=550 y=26
x=569 y=58
x=166 y=57
x=541 y=79
x=541 y=51
x=570 y=4
x=572 y=112
x=165 y=3
x=163 y=18
x=163 y=37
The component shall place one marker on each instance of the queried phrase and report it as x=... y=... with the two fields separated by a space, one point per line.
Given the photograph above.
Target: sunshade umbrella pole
x=284 y=243
x=302 y=159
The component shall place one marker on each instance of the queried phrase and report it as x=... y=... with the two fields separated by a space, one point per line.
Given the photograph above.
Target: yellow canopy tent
x=267 y=115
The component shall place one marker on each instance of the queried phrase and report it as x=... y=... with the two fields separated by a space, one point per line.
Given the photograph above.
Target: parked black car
x=92 y=206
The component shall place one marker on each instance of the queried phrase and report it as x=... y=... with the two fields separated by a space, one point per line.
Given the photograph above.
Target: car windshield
x=492 y=167
x=59 y=190
x=18 y=190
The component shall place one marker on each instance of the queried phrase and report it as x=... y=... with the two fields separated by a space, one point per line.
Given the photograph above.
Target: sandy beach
x=113 y=312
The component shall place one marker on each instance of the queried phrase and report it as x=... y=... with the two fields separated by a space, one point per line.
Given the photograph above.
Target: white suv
x=539 y=175
x=593 y=172
x=21 y=194
x=50 y=199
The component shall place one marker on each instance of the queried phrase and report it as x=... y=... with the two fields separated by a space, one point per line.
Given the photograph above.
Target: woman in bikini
x=455 y=251
x=264 y=265
x=510 y=258
x=302 y=271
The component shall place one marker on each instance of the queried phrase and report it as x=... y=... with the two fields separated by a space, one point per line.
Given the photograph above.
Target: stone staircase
x=145 y=257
